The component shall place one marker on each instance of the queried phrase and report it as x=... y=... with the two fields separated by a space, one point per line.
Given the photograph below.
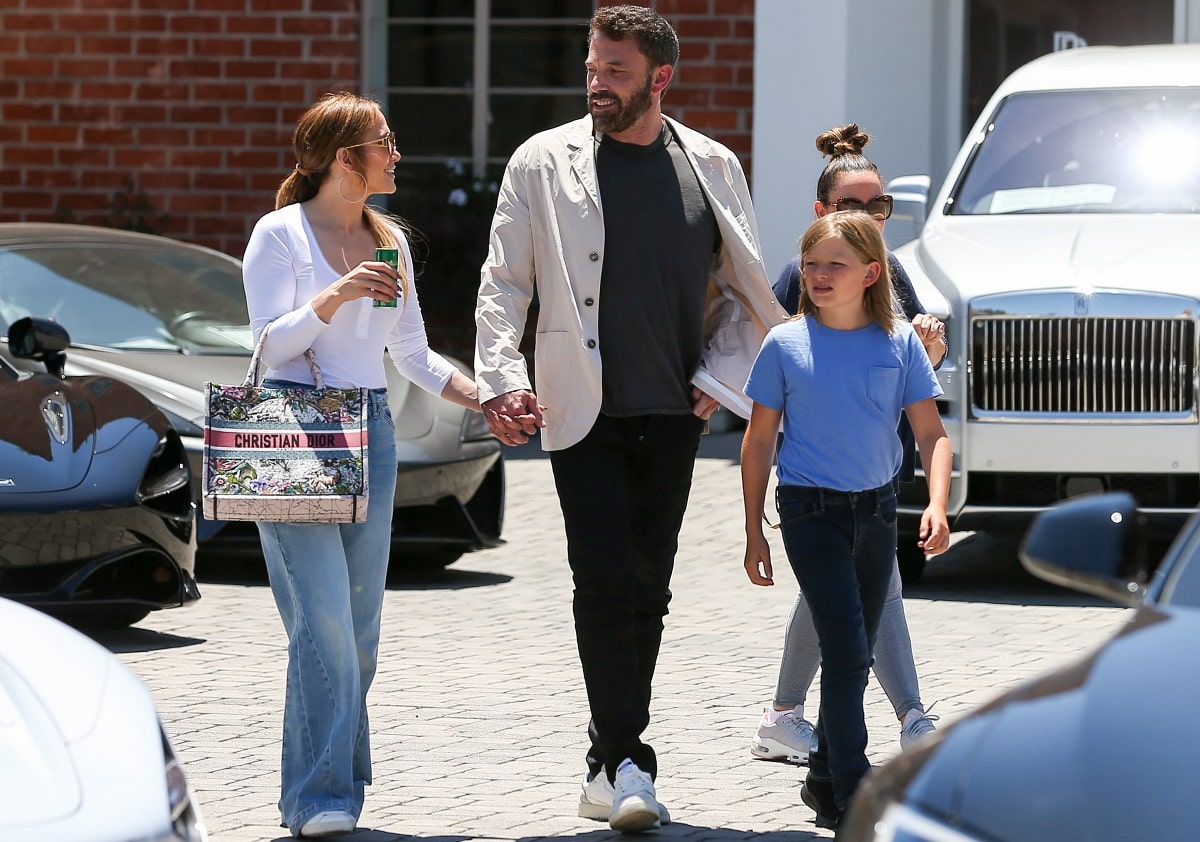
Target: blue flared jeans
x=841 y=545
x=328 y=580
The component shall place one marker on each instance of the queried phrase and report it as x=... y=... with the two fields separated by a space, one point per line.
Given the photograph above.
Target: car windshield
x=128 y=297
x=1092 y=151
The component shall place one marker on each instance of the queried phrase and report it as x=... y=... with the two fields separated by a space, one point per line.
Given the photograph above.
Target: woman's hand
x=932 y=333
x=514 y=416
x=369 y=279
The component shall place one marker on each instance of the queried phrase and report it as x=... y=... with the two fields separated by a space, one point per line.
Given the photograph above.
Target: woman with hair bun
x=311 y=274
x=851 y=181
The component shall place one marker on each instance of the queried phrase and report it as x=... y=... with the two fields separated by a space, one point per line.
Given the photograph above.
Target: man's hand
x=703 y=405
x=514 y=416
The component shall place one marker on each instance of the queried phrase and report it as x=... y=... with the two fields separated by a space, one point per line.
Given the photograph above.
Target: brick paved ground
x=478 y=711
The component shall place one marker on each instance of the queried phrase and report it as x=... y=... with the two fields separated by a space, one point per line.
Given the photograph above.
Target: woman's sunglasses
x=880 y=207
x=388 y=142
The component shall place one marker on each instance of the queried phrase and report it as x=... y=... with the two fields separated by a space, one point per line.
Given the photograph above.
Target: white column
x=895 y=68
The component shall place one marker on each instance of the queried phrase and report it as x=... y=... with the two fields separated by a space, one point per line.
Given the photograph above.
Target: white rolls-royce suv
x=1063 y=248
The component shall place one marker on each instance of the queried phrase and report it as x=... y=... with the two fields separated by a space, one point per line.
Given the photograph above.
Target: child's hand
x=758 y=560
x=935 y=531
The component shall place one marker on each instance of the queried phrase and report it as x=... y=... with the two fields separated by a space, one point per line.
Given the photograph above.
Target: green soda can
x=392 y=258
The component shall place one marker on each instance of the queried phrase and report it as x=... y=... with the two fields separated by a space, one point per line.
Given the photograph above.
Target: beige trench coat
x=548 y=235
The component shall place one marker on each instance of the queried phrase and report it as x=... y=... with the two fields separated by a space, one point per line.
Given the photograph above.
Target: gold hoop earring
x=360 y=199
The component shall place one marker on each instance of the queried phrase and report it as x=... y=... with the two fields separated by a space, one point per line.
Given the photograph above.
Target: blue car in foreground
x=1102 y=750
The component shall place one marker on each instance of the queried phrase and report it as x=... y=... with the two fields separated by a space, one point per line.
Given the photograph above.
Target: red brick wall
x=195 y=100
x=713 y=89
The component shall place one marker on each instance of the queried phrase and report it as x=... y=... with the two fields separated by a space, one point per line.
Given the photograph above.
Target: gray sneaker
x=596 y=800
x=916 y=724
x=790 y=737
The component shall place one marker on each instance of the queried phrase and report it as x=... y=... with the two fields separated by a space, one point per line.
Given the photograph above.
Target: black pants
x=623 y=491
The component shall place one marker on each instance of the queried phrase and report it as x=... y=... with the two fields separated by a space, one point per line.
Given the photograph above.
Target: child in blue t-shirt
x=837 y=377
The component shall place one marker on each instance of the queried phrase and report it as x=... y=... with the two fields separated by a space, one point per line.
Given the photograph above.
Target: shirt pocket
x=883 y=383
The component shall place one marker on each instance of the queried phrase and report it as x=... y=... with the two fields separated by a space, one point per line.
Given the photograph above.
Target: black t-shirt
x=659 y=239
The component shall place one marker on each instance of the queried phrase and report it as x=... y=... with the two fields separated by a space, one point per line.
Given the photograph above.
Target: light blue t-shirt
x=841 y=393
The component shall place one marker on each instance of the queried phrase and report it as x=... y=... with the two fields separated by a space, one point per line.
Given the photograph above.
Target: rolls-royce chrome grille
x=1104 y=364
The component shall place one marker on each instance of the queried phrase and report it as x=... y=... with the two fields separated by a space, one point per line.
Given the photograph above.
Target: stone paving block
x=478 y=711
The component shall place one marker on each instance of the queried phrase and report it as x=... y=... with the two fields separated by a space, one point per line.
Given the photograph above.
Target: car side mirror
x=1090 y=544
x=34 y=338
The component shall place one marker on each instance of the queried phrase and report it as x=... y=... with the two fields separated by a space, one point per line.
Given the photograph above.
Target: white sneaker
x=790 y=737
x=596 y=799
x=328 y=823
x=916 y=724
x=635 y=804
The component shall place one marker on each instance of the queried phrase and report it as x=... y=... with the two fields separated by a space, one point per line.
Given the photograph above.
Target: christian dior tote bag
x=284 y=454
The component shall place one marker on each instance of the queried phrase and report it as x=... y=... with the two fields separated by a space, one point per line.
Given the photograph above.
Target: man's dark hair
x=656 y=39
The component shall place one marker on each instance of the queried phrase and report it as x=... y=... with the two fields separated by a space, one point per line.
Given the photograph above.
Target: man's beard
x=625 y=114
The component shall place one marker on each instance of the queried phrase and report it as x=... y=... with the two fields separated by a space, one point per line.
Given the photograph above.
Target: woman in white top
x=310 y=273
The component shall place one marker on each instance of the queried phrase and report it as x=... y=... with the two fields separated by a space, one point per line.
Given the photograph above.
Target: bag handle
x=253 y=377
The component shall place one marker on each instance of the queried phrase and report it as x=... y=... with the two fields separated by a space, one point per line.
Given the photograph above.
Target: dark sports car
x=97 y=521
x=166 y=316
x=1101 y=750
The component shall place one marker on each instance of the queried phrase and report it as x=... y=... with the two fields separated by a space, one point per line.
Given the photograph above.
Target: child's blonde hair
x=861 y=233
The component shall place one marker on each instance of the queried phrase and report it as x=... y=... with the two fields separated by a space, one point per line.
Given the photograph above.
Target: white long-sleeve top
x=283 y=269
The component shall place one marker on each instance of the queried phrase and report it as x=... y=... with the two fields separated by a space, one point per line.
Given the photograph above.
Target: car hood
x=981 y=255
x=176 y=382
x=56 y=688
x=1099 y=750
x=173 y=381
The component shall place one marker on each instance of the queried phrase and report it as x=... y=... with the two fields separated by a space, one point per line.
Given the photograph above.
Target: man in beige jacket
x=651 y=308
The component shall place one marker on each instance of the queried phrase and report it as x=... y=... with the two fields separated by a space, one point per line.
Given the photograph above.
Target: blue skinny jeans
x=894 y=667
x=841 y=546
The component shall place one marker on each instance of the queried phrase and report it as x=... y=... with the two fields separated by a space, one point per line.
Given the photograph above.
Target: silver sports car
x=165 y=316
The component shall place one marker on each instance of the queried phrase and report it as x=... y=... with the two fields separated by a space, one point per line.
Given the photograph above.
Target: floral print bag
x=284 y=454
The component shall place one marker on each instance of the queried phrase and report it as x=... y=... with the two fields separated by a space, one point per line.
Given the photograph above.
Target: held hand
x=935 y=532
x=758 y=560
x=703 y=405
x=514 y=416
